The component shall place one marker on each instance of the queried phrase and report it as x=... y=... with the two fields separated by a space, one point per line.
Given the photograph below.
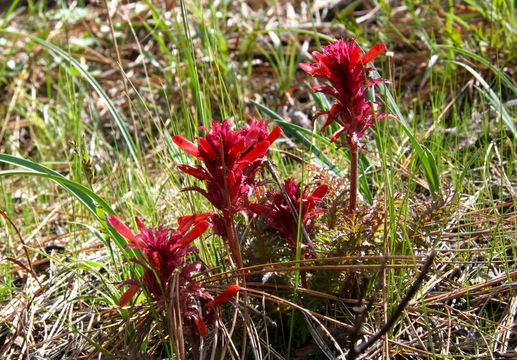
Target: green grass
x=75 y=147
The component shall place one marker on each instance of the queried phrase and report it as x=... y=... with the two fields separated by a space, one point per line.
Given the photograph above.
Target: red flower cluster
x=342 y=64
x=278 y=213
x=163 y=250
x=231 y=160
x=197 y=306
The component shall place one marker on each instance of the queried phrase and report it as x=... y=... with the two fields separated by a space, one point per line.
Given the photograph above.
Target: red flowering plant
x=231 y=160
x=163 y=250
x=343 y=64
x=162 y=255
x=282 y=216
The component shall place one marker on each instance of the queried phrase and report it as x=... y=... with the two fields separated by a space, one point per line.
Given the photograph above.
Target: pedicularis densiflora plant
x=279 y=211
x=230 y=161
x=163 y=252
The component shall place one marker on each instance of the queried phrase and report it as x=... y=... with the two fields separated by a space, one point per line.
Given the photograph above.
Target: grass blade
x=86 y=196
x=64 y=55
x=505 y=79
x=315 y=34
x=492 y=97
x=425 y=156
x=297 y=133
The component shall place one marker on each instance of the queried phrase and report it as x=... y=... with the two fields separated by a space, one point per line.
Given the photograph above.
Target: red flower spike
x=229 y=293
x=337 y=134
x=278 y=214
x=205 y=145
x=257 y=152
x=197 y=173
x=232 y=181
x=307 y=68
x=185 y=222
x=155 y=260
x=140 y=223
x=230 y=160
x=355 y=59
x=237 y=149
x=128 y=295
x=341 y=63
x=163 y=249
x=274 y=134
x=186 y=145
x=320 y=192
x=193 y=234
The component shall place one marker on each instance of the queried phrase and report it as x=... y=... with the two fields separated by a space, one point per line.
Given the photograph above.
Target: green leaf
x=505 y=79
x=86 y=196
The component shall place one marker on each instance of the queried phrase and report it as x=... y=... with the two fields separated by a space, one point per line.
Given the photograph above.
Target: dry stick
x=122 y=72
x=305 y=268
x=215 y=277
x=357 y=350
x=30 y=269
x=362 y=315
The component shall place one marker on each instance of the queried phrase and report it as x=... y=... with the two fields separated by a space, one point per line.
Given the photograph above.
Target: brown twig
x=30 y=268
x=355 y=351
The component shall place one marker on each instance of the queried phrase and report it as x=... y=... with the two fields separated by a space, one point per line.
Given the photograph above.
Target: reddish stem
x=233 y=242
x=354 y=160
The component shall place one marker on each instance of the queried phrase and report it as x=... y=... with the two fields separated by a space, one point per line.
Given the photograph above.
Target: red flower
x=278 y=213
x=163 y=250
x=231 y=158
x=342 y=63
x=197 y=306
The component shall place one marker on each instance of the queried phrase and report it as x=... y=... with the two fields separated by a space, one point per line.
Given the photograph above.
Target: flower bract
x=279 y=215
x=342 y=63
